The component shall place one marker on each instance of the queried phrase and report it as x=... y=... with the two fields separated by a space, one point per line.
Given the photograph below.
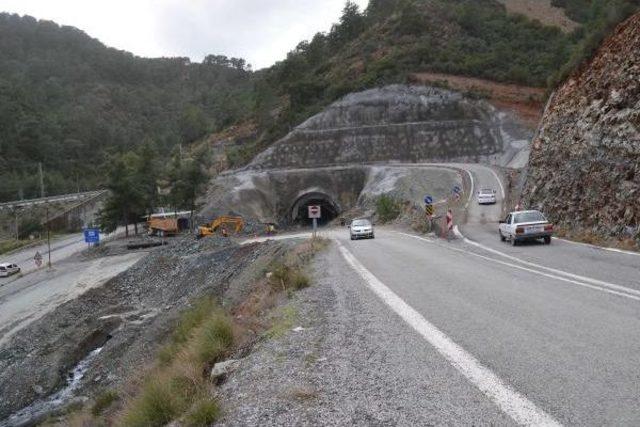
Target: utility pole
x=48 y=236
x=17 y=227
x=41 y=179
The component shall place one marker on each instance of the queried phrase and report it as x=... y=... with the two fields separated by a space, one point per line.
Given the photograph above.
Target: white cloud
x=262 y=32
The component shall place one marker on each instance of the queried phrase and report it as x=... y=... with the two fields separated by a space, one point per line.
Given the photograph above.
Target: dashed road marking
x=512 y=403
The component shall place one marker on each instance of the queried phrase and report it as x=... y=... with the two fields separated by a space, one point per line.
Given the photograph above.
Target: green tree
x=125 y=204
x=187 y=178
x=193 y=124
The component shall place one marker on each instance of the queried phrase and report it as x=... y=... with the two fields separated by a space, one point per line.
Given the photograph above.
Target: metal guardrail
x=50 y=199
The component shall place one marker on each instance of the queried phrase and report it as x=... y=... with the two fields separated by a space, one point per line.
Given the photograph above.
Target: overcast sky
x=261 y=31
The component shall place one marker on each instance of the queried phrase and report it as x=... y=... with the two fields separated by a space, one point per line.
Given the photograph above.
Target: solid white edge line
x=603 y=248
x=540 y=273
x=552 y=270
x=473 y=188
x=512 y=403
x=504 y=194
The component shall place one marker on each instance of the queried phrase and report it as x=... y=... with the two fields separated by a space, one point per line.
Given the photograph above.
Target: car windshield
x=529 y=217
x=486 y=191
x=361 y=223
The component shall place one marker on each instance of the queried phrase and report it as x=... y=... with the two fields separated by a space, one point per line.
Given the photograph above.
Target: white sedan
x=487 y=196
x=7 y=270
x=520 y=226
x=361 y=229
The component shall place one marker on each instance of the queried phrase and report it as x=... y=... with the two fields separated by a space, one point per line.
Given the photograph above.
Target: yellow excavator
x=224 y=223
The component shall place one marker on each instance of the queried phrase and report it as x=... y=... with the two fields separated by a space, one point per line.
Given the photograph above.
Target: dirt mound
x=585 y=163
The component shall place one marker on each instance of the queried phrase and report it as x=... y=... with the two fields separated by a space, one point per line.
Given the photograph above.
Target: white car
x=361 y=229
x=520 y=226
x=487 y=196
x=7 y=270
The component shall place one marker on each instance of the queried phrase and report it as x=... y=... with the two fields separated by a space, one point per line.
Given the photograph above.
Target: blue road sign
x=92 y=235
x=428 y=200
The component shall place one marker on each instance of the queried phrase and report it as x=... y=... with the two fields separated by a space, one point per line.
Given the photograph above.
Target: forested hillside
x=69 y=102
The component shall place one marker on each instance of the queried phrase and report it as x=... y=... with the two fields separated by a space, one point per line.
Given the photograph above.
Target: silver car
x=521 y=226
x=361 y=229
x=487 y=196
x=7 y=270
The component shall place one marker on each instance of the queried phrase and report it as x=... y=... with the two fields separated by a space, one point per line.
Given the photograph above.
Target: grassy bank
x=178 y=386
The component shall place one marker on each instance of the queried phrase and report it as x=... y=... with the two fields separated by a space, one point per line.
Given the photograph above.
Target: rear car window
x=529 y=217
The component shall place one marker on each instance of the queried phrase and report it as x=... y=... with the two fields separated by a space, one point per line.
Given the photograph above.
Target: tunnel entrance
x=300 y=210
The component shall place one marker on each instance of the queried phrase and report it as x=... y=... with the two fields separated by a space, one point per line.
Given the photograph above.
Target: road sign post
x=315 y=213
x=91 y=236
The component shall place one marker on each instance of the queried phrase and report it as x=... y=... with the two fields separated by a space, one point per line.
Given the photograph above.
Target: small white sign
x=315 y=212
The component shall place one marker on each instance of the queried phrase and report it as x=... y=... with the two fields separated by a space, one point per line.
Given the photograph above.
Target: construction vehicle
x=163 y=227
x=221 y=223
x=168 y=224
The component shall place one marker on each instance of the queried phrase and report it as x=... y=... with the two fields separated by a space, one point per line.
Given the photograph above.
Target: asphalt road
x=549 y=334
x=28 y=296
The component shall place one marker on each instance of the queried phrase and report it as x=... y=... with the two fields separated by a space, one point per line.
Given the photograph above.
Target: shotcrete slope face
x=401 y=123
x=328 y=159
x=585 y=163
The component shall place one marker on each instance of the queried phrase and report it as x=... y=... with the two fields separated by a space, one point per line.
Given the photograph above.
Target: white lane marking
x=553 y=270
x=504 y=194
x=473 y=189
x=530 y=270
x=512 y=403
x=604 y=248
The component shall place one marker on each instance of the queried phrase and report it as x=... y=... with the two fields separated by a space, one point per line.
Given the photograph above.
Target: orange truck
x=163 y=226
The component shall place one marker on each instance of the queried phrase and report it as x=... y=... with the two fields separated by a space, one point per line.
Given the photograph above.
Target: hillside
x=66 y=100
x=585 y=163
x=69 y=102
x=543 y=11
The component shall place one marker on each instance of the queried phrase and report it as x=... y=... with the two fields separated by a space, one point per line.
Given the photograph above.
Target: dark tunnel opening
x=300 y=211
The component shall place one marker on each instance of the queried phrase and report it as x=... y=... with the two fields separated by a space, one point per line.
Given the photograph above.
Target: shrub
x=387 y=208
x=214 y=339
x=157 y=405
x=300 y=280
x=103 y=402
x=204 y=413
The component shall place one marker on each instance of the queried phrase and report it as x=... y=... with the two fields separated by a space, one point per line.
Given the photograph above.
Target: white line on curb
x=552 y=270
x=512 y=403
x=504 y=195
x=603 y=248
x=473 y=189
x=538 y=272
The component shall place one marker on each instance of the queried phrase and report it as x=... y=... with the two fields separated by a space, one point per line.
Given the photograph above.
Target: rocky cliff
x=584 y=167
x=399 y=123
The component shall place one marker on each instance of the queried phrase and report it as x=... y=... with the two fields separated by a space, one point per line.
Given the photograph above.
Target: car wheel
x=353 y=238
x=373 y=236
x=502 y=238
x=547 y=240
x=514 y=241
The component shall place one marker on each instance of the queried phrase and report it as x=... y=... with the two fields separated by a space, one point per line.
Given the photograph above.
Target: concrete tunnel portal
x=299 y=210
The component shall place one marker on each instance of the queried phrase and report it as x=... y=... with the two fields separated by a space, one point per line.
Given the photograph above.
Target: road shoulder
x=353 y=362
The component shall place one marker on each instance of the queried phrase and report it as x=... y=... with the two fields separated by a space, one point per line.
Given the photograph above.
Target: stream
x=41 y=408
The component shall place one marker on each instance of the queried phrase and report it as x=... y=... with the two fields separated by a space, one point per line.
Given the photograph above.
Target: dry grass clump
x=179 y=386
